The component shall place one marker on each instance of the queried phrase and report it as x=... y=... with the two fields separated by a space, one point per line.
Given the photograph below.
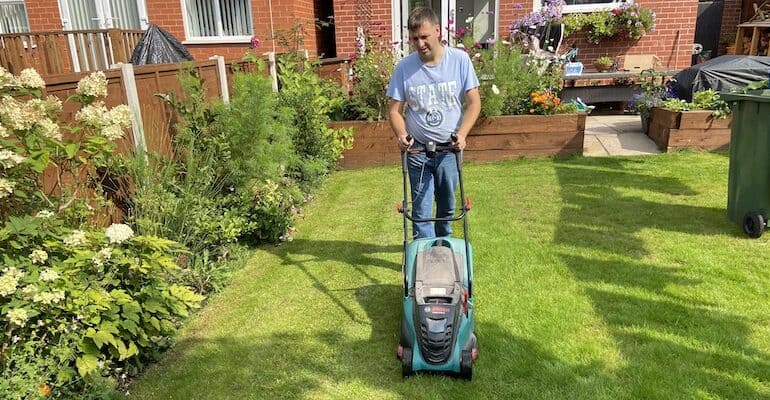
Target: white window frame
x=26 y=12
x=215 y=39
x=583 y=8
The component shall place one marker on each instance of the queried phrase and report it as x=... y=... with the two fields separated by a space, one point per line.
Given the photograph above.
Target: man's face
x=424 y=40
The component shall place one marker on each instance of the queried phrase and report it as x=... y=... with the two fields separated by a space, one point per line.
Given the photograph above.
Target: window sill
x=219 y=40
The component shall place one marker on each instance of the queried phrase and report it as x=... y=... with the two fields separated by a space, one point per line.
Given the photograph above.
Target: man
x=432 y=82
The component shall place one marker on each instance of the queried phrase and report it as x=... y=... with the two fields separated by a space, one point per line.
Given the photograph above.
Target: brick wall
x=731 y=17
x=43 y=15
x=372 y=14
x=671 y=41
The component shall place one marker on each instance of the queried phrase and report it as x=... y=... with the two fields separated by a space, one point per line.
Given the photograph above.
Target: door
x=707 y=28
x=453 y=14
x=88 y=51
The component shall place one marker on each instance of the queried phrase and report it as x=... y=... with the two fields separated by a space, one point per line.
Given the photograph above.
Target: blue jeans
x=429 y=178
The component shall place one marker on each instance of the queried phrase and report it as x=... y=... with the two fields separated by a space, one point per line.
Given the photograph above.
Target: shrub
x=79 y=305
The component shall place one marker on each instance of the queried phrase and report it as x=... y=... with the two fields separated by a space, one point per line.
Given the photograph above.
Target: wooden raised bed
x=494 y=138
x=674 y=130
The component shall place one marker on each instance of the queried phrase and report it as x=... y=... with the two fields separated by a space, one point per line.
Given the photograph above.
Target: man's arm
x=397 y=123
x=472 y=110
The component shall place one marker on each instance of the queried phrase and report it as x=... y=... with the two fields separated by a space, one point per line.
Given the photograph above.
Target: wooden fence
x=138 y=86
x=65 y=52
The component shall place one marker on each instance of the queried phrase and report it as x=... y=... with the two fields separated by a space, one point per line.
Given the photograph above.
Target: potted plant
x=604 y=63
x=653 y=91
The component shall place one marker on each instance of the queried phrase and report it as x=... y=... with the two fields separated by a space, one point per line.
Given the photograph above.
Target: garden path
x=616 y=135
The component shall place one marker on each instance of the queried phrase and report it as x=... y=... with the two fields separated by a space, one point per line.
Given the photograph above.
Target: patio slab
x=616 y=135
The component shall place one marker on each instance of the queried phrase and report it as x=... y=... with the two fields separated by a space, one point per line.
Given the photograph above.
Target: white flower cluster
x=18 y=316
x=9 y=281
x=48 y=297
x=6 y=78
x=76 y=238
x=29 y=78
x=119 y=233
x=102 y=256
x=44 y=214
x=3 y=132
x=51 y=105
x=120 y=115
x=19 y=115
x=6 y=187
x=49 y=129
x=92 y=115
x=9 y=159
x=48 y=275
x=29 y=290
x=94 y=85
x=38 y=256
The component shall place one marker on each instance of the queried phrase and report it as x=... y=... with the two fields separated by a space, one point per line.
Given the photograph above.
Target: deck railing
x=62 y=52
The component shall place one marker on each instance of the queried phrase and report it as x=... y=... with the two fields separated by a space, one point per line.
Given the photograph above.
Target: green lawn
x=611 y=278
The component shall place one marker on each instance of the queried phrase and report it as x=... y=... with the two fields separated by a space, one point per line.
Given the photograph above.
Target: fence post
x=273 y=68
x=132 y=98
x=222 y=74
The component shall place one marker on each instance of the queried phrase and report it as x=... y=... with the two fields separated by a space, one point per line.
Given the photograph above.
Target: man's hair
x=420 y=15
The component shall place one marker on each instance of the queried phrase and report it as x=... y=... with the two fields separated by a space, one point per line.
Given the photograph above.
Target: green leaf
x=86 y=364
x=102 y=337
x=71 y=149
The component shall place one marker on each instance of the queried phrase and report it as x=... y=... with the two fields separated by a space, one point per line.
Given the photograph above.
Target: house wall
x=44 y=15
x=375 y=15
x=671 y=40
x=731 y=17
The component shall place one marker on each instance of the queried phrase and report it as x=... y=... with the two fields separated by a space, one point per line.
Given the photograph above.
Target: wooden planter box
x=673 y=130
x=494 y=138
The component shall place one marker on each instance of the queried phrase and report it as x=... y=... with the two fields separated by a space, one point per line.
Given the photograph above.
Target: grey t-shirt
x=434 y=94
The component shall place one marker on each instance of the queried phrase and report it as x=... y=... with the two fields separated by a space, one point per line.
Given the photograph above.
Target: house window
x=13 y=16
x=217 y=20
x=573 y=6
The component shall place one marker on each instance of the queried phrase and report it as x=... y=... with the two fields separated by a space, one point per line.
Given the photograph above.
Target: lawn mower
x=437 y=326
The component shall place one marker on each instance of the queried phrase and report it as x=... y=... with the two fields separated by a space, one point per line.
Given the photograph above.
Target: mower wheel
x=466 y=365
x=406 y=363
x=754 y=224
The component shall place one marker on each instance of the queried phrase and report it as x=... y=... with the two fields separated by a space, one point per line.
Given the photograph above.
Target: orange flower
x=44 y=389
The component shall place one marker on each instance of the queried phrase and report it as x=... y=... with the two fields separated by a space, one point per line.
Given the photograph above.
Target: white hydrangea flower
x=50 y=129
x=112 y=132
x=44 y=214
x=469 y=20
x=18 y=316
x=120 y=115
x=93 y=115
x=48 y=297
x=29 y=78
x=93 y=85
x=9 y=281
x=102 y=256
x=29 y=290
x=9 y=159
x=118 y=233
x=6 y=78
x=495 y=90
x=460 y=46
x=19 y=115
x=38 y=256
x=3 y=132
x=76 y=238
x=6 y=187
x=48 y=275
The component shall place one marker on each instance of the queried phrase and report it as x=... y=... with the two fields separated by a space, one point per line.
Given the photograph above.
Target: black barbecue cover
x=157 y=46
x=721 y=74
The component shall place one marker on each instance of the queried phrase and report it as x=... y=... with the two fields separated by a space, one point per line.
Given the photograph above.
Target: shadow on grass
x=597 y=215
x=326 y=363
x=672 y=346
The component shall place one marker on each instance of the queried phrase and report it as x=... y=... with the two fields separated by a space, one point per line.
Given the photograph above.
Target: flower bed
x=697 y=129
x=492 y=138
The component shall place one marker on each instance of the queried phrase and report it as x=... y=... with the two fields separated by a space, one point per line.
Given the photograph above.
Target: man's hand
x=459 y=144
x=404 y=142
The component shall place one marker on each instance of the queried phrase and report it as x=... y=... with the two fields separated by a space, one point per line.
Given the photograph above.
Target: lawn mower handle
x=462 y=216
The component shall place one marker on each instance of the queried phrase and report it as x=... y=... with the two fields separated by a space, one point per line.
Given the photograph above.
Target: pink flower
x=255 y=42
